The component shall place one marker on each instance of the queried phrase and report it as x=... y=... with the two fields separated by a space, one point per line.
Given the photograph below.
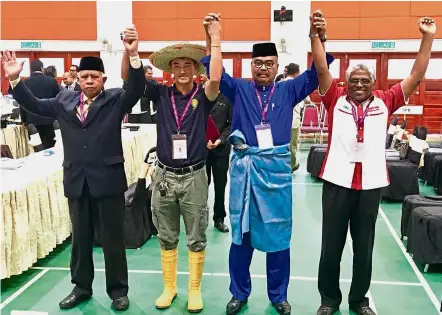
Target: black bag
x=403 y=151
x=412 y=202
x=138 y=225
x=310 y=155
x=316 y=160
x=425 y=235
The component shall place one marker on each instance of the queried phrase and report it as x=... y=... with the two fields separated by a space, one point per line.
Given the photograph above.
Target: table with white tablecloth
x=16 y=137
x=35 y=215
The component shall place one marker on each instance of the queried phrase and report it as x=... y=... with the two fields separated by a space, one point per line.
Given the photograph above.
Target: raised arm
x=135 y=79
x=227 y=84
x=28 y=102
x=427 y=27
x=317 y=22
x=216 y=64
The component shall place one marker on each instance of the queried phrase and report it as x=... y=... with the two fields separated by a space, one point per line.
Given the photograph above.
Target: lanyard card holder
x=179 y=147
x=264 y=136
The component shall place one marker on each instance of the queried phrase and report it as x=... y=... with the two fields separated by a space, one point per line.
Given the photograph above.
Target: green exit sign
x=383 y=45
x=30 y=45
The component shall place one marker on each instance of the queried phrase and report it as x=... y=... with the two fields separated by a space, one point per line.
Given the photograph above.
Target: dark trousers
x=107 y=215
x=339 y=207
x=218 y=166
x=47 y=135
x=278 y=271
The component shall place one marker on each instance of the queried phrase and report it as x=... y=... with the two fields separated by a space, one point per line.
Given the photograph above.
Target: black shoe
x=362 y=310
x=121 y=304
x=283 y=308
x=235 y=306
x=73 y=300
x=220 y=226
x=326 y=310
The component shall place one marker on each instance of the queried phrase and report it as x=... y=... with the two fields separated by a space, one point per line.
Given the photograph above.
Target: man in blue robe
x=260 y=201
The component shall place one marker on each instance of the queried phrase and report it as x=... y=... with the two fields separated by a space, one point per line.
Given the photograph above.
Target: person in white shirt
x=354 y=169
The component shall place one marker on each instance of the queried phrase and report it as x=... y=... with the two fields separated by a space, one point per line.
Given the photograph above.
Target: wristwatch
x=323 y=39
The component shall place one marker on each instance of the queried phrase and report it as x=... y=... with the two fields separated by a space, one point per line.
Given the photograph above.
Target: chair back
x=310 y=117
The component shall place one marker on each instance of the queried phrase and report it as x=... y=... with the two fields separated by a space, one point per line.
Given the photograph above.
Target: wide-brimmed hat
x=162 y=58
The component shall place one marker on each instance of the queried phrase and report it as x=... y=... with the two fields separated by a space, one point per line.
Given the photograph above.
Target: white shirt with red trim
x=338 y=167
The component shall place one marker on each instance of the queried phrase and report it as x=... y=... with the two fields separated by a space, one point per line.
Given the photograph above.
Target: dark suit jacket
x=93 y=151
x=222 y=116
x=42 y=87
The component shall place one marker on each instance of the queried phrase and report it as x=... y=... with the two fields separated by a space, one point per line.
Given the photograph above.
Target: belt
x=183 y=170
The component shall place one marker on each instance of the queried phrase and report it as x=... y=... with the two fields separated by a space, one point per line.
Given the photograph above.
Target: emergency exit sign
x=30 y=45
x=383 y=45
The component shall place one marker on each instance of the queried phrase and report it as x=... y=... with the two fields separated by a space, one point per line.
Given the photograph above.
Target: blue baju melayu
x=260 y=201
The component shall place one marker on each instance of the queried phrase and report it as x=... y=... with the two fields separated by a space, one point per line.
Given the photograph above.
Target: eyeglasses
x=259 y=63
x=356 y=81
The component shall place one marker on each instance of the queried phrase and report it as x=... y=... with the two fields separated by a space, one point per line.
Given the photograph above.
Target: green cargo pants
x=187 y=196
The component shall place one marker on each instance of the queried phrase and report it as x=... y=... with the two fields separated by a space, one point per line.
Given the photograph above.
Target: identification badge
x=358 y=153
x=264 y=136
x=179 y=147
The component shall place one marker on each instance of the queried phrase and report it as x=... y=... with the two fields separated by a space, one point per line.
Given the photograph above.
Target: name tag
x=179 y=147
x=391 y=130
x=358 y=153
x=264 y=136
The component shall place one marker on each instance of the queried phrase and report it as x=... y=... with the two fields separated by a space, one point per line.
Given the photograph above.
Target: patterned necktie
x=83 y=111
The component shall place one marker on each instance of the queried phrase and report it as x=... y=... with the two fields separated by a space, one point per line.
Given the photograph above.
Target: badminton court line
x=413 y=265
x=221 y=274
x=23 y=288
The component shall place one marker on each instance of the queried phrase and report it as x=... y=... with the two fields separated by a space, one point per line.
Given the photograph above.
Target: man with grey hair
x=354 y=169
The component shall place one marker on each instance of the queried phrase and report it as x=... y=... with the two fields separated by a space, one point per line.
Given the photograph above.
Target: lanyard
x=179 y=120
x=359 y=121
x=264 y=111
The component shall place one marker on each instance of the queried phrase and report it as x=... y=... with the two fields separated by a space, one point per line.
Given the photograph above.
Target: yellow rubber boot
x=169 y=259
x=196 y=265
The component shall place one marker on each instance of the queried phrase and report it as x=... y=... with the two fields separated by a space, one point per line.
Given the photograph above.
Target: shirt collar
x=364 y=103
x=264 y=88
x=175 y=91
x=92 y=99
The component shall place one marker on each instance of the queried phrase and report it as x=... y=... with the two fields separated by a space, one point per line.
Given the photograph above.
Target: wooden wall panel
x=372 y=9
x=337 y=9
x=376 y=28
x=365 y=20
x=182 y=20
x=56 y=20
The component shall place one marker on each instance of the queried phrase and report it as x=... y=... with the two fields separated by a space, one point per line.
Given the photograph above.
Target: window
x=228 y=66
x=58 y=63
x=157 y=73
x=246 y=71
x=399 y=69
x=26 y=71
x=335 y=68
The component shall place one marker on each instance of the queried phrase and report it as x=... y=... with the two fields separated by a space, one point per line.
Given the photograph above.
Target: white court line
x=416 y=270
x=28 y=313
x=221 y=274
x=23 y=288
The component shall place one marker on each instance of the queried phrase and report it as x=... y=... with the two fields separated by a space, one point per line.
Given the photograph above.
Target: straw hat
x=162 y=58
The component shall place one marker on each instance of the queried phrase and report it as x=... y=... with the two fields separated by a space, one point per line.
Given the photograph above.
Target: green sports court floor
x=399 y=287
